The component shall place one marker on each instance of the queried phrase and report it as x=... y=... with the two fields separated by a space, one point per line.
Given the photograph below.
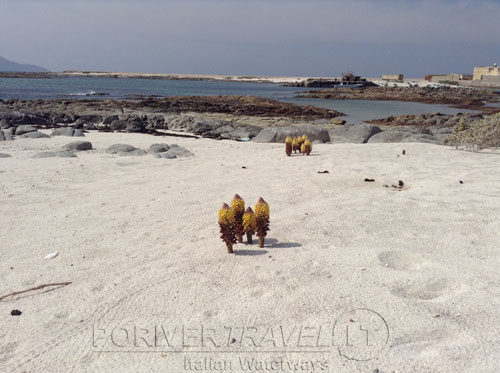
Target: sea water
x=123 y=88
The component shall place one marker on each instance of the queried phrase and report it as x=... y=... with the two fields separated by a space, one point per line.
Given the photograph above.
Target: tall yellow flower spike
x=308 y=147
x=262 y=220
x=295 y=145
x=226 y=224
x=238 y=207
x=288 y=146
x=301 y=141
x=303 y=149
x=249 y=224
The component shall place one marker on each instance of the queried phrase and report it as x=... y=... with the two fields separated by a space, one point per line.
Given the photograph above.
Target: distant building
x=393 y=77
x=349 y=77
x=436 y=78
x=490 y=73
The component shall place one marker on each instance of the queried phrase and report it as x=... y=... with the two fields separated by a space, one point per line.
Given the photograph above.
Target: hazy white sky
x=265 y=37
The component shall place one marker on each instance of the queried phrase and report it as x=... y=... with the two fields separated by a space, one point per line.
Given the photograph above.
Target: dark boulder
x=63 y=118
x=4 y=124
x=118 y=125
x=353 y=133
x=158 y=148
x=64 y=131
x=134 y=126
x=78 y=146
x=178 y=151
x=124 y=149
x=22 y=129
x=109 y=119
x=34 y=135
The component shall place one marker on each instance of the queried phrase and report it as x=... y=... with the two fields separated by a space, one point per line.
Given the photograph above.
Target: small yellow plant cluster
x=300 y=144
x=234 y=222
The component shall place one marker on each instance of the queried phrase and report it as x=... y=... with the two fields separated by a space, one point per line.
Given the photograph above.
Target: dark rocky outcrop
x=425 y=120
x=118 y=125
x=462 y=98
x=235 y=105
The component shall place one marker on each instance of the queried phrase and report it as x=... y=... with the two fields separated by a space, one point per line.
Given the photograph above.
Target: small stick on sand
x=33 y=289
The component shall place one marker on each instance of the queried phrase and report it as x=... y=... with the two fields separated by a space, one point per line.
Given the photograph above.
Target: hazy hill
x=10 y=66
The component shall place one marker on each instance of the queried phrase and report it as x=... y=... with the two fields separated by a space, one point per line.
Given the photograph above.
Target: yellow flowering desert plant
x=238 y=207
x=288 y=146
x=307 y=147
x=249 y=224
x=226 y=224
x=295 y=145
x=262 y=220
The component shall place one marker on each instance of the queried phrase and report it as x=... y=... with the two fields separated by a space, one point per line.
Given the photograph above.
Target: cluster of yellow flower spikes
x=301 y=144
x=234 y=222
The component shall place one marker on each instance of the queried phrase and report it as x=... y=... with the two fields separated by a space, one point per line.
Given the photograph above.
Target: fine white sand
x=138 y=238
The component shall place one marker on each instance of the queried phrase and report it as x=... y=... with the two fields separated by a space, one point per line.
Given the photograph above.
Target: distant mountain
x=10 y=66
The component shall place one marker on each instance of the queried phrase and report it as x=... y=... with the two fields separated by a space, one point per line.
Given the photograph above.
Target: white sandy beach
x=138 y=238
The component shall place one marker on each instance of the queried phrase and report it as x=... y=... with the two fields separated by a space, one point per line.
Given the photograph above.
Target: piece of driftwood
x=158 y=133
x=35 y=288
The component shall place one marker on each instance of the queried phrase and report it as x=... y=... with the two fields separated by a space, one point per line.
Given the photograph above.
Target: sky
x=253 y=37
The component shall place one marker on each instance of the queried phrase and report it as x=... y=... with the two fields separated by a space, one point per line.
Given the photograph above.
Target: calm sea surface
x=357 y=111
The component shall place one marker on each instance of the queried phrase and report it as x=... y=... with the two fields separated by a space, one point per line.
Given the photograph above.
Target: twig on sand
x=33 y=289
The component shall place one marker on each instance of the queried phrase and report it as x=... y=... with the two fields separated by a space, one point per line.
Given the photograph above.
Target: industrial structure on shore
x=481 y=73
x=488 y=73
x=393 y=77
x=438 y=78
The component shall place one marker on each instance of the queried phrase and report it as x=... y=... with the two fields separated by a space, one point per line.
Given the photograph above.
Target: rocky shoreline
x=240 y=118
x=151 y=115
x=234 y=105
x=470 y=98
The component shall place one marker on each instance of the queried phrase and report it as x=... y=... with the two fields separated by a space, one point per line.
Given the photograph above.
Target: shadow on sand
x=250 y=252
x=275 y=244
